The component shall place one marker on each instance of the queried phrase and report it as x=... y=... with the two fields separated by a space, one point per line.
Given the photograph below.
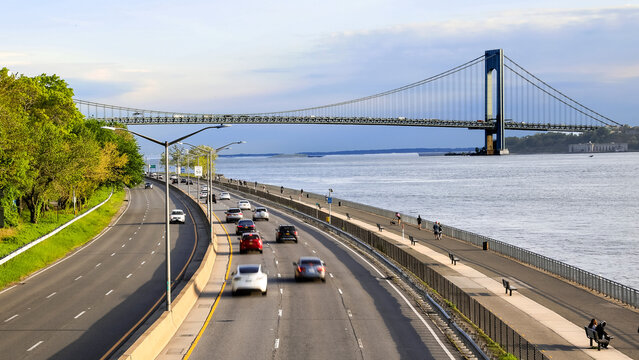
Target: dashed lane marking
x=281 y=291
x=110 y=291
x=359 y=342
x=340 y=291
x=142 y=263
x=350 y=314
x=279 y=313
x=78 y=278
x=50 y=295
x=80 y=314
x=330 y=274
x=128 y=276
x=98 y=264
x=279 y=275
x=123 y=245
x=35 y=346
x=113 y=254
x=16 y=315
x=277 y=343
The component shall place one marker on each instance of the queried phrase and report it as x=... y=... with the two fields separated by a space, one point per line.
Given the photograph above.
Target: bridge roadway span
x=81 y=306
x=356 y=314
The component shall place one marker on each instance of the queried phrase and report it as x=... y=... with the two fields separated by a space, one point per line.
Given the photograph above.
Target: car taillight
x=295 y=232
x=300 y=269
x=320 y=268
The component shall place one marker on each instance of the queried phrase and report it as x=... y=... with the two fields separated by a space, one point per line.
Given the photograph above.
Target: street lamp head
x=109 y=128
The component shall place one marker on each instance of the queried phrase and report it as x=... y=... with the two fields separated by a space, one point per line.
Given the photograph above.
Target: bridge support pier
x=494 y=60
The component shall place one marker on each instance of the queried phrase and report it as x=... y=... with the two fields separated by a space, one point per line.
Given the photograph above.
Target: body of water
x=575 y=208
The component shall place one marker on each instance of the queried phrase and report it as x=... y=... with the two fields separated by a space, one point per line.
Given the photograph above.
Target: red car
x=251 y=241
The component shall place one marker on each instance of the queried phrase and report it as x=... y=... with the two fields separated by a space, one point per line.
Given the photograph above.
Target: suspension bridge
x=490 y=93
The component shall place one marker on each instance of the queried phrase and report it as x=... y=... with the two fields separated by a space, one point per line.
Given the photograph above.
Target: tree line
x=49 y=151
x=553 y=142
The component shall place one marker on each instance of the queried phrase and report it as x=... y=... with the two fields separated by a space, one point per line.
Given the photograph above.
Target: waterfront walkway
x=546 y=310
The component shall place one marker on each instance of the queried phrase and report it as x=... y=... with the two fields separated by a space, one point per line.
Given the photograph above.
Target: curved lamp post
x=166 y=145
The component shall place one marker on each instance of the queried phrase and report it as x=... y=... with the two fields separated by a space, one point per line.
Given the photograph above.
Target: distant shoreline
x=433 y=151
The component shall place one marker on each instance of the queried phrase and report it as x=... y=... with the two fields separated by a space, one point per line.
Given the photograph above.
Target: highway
x=358 y=313
x=79 y=307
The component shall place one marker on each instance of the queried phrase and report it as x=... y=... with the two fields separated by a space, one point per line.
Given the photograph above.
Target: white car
x=178 y=216
x=204 y=188
x=225 y=196
x=244 y=205
x=260 y=214
x=249 y=277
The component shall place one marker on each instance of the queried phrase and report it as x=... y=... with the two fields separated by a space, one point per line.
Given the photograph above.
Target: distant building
x=590 y=147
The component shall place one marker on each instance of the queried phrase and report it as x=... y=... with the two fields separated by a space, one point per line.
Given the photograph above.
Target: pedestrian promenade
x=546 y=310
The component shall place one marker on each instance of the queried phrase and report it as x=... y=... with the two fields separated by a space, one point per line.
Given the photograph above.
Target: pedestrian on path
x=419 y=222
x=399 y=218
x=281 y=189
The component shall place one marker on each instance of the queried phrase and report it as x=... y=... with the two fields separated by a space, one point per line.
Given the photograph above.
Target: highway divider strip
x=57 y=230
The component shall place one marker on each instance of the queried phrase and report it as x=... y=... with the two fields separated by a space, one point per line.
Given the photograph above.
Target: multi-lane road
x=81 y=306
x=358 y=313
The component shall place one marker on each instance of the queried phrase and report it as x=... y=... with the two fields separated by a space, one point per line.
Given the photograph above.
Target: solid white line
x=16 y=315
x=128 y=276
x=277 y=343
x=402 y=296
x=50 y=295
x=80 y=314
x=78 y=278
x=36 y=345
x=110 y=291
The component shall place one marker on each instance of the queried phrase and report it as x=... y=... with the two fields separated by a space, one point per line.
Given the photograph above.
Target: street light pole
x=330 y=202
x=166 y=192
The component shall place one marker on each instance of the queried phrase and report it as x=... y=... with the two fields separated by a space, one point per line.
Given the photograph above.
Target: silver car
x=234 y=215
x=225 y=196
x=310 y=268
x=260 y=213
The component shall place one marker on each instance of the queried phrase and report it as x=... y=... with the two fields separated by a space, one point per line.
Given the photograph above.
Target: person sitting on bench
x=603 y=335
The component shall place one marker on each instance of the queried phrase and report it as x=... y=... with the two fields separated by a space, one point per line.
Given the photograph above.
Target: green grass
x=27 y=232
x=61 y=243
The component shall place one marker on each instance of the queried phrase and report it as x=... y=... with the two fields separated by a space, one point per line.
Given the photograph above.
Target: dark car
x=174 y=181
x=286 y=232
x=251 y=241
x=245 y=226
x=183 y=181
x=148 y=186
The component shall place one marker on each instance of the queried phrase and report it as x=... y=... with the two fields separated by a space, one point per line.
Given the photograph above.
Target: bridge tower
x=495 y=141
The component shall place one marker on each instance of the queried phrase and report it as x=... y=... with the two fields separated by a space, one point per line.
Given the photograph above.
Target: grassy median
x=58 y=245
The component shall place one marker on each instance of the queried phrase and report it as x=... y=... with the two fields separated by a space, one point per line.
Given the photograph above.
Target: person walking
x=399 y=218
x=437 y=230
x=419 y=222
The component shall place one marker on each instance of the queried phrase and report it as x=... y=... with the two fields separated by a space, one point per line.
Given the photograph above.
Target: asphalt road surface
x=81 y=306
x=356 y=314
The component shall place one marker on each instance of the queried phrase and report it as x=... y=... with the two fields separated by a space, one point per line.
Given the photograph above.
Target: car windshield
x=248 y=269
x=311 y=262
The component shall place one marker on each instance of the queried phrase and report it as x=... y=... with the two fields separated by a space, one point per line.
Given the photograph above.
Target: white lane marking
x=330 y=274
x=135 y=233
x=78 y=278
x=128 y=276
x=273 y=250
x=359 y=342
x=123 y=245
x=112 y=254
x=152 y=252
x=350 y=314
x=16 y=315
x=142 y=263
x=314 y=252
x=98 y=264
x=110 y=291
x=276 y=262
x=305 y=243
x=35 y=346
x=279 y=275
x=279 y=313
x=130 y=238
x=159 y=243
x=403 y=297
x=281 y=291
x=340 y=291
x=50 y=295
x=277 y=343
x=139 y=227
x=80 y=314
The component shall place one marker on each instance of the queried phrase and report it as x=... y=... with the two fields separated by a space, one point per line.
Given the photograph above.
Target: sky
x=261 y=56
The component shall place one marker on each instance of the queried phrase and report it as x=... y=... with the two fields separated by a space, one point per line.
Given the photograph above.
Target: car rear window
x=245 y=222
x=234 y=210
x=311 y=262
x=260 y=209
x=248 y=269
x=250 y=237
x=289 y=228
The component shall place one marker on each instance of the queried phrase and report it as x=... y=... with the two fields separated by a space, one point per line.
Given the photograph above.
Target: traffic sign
x=197 y=171
x=329 y=200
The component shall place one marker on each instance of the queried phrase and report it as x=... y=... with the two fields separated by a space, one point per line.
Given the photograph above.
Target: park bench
x=508 y=287
x=453 y=259
x=592 y=335
x=412 y=240
x=348 y=216
x=380 y=227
